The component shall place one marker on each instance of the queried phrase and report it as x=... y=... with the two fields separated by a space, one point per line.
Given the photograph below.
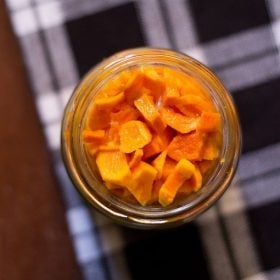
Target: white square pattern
x=49 y=107
x=25 y=22
x=50 y=14
x=79 y=220
x=52 y=132
x=18 y=4
x=86 y=247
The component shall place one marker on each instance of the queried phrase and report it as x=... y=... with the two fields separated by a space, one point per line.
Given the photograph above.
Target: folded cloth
x=239 y=237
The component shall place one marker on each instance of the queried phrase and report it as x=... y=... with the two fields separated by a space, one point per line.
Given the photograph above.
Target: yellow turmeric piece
x=141 y=183
x=134 y=135
x=182 y=171
x=149 y=111
x=159 y=162
x=113 y=167
x=136 y=158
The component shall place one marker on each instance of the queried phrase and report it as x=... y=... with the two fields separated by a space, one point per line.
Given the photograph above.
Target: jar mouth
x=77 y=162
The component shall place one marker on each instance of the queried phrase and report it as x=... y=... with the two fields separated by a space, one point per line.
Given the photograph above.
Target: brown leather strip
x=34 y=241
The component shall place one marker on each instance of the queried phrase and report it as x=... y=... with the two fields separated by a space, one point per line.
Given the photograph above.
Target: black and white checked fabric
x=239 y=238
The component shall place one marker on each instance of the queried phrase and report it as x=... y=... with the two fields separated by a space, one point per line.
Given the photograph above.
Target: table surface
x=34 y=241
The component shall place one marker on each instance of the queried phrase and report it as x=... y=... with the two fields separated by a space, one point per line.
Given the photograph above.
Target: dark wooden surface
x=34 y=242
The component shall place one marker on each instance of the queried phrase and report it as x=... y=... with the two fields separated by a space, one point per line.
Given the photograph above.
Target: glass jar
x=93 y=189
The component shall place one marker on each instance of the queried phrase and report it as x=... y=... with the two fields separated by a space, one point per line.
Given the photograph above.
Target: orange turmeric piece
x=94 y=136
x=182 y=171
x=178 y=121
x=134 y=135
x=188 y=146
x=93 y=139
x=148 y=109
x=113 y=167
x=154 y=147
x=109 y=102
x=124 y=114
x=171 y=96
x=190 y=102
x=153 y=81
x=168 y=167
x=134 y=87
x=194 y=183
x=153 y=135
x=209 y=122
x=172 y=78
x=98 y=118
x=155 y=191
x=158 y=163
x=192 y=86
x=211 y=147
x=158 y=144
x=141 y=183
x=136 y=158
x=116 y=85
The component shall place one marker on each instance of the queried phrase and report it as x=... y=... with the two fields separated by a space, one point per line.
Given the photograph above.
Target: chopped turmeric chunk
x=141 y=184
x=178 y=121
x=154 y=147
x=124 y=114
x=211 y=147
x=98 y=118
x=149 y=111
x=194 y=183
x=152 y=81
x=182 y=171
x=158 y=144
x=188 y=146
x=155 y=191
x=209 y=122
x=134 y=135
x=171 y=96
x=168 y=167
x=94 y=136
x=113 y=167
x=158 y=163
x=136 y=158
x=192 y=103
x=109 y=102
x=135 y=88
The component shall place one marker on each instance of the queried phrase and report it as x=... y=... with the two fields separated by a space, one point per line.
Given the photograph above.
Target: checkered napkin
x=239 y=238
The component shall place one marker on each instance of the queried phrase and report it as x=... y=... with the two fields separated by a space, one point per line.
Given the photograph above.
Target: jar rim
x=144 y=217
